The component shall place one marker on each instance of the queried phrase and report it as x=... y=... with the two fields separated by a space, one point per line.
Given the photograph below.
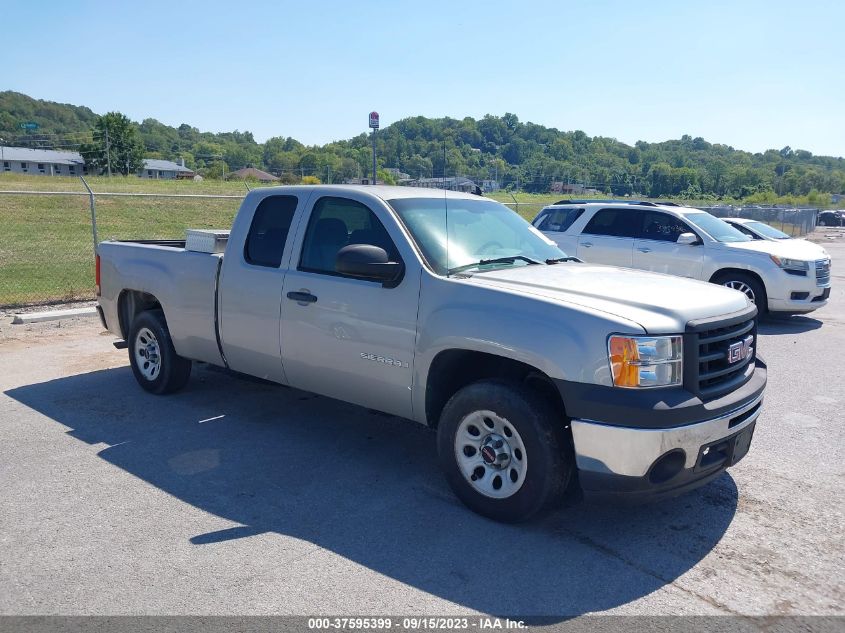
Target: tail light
x=97 y=276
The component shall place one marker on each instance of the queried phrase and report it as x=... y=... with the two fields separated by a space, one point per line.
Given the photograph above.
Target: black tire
x=172 y=371
x=760 y=298
x=550 y=459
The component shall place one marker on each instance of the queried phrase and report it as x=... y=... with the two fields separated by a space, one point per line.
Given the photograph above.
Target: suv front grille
x=822 y=272
x=719 y=355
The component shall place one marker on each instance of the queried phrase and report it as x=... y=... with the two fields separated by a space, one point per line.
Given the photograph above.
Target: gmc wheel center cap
x=495 y=451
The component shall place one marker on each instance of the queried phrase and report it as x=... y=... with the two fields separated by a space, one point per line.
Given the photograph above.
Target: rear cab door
x=657 y=249
x=345 y=337
x=608 y=237
x=250 y=286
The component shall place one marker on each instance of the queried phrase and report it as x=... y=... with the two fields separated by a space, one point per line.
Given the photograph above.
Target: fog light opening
x=667 y=466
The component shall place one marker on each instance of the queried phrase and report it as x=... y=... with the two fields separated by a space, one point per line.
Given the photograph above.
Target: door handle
x=644 y=250
x=586 y=244
x=302 y=297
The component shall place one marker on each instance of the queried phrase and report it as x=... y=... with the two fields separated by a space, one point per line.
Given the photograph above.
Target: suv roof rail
x=607 y=201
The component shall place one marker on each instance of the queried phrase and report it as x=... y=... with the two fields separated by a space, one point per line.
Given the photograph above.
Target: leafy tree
x=118 y=144
x=386 y=177
x=521 y=155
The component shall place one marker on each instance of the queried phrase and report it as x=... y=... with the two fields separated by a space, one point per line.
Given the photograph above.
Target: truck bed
x=167 y=243
x=184 y=283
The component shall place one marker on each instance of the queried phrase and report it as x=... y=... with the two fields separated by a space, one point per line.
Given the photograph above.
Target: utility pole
x=375 y=167
x=108 y=152
x=444 y=163
x=374 y=124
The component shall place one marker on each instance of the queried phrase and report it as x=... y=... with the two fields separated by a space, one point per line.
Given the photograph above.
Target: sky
x=753 y=75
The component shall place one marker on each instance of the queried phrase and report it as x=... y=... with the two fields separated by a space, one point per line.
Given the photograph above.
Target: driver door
x=344 y=337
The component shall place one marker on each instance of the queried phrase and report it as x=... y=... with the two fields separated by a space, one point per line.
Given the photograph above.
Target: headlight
x=646 y=361
x=790 y=264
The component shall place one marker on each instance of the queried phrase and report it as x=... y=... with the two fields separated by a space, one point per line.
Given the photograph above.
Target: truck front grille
x=822 y=272
x=719 y=355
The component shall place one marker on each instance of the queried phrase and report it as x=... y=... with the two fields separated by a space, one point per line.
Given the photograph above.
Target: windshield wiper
x=558 y=260
x=499 y=260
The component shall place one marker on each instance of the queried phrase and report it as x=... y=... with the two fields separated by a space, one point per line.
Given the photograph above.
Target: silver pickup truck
x=544 y=376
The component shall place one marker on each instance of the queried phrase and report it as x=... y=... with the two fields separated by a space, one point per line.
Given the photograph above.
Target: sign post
x=28 y=125
x=374 y=126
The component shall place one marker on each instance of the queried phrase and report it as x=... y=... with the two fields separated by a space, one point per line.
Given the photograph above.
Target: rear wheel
x=748 y=285
x=155 y=363
x=504 y=451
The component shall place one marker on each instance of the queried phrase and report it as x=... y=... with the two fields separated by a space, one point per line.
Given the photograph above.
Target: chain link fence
x=47 y=244
x=795 y=222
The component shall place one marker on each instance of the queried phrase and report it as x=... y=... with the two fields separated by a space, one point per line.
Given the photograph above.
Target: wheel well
x=452 y=370
x=741 y=271
x=130 y=304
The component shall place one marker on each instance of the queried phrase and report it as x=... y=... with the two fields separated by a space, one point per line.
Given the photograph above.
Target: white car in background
x=791 y=276
x=757 y=230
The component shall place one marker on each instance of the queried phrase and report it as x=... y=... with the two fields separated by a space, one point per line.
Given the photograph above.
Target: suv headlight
x=646 y=361
x=791 y=264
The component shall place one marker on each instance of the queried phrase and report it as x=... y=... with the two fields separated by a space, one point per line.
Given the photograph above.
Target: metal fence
x=47 y=238
x=792 y=221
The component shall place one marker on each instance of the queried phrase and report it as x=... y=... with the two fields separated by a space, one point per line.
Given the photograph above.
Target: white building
x=41 y=162
x=165 y=169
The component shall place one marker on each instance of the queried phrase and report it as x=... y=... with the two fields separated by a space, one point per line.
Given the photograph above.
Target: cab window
x=338 y=222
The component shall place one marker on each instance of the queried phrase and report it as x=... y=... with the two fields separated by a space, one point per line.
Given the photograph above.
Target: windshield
x=718 y=229
x=478 y=230
x=769 y=231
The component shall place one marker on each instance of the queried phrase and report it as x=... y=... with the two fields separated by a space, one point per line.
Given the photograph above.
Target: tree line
x=518 y=155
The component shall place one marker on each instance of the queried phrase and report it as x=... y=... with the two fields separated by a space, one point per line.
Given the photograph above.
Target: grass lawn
x=47 y=252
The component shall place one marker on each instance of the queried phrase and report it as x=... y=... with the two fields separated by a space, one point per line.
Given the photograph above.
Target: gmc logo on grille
x=740 y=350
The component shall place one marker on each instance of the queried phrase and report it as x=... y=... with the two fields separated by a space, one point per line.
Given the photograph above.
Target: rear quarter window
x=269 y=230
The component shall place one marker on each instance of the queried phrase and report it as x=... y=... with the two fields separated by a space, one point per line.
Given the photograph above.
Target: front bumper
x=800 y=293
x=815 y=299
x=639 y=460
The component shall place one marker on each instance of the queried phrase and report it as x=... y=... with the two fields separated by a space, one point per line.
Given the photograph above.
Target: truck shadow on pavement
x=367 y=487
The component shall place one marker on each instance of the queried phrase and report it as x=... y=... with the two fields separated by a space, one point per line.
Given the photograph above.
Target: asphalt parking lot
x=238 y=497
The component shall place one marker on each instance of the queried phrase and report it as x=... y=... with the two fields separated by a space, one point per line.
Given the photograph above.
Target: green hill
x=519 y=155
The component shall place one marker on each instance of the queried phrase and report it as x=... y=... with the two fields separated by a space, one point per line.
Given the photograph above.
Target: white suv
x=789 y=276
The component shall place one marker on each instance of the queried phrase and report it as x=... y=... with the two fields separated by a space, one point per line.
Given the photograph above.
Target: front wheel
x=155 y=363
x=747 y=285
x=504 y=451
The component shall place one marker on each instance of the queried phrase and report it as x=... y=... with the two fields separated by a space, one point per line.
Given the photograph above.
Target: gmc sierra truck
x=542 y=375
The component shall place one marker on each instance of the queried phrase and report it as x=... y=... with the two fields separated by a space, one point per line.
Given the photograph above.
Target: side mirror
x=366 y=261
x=690 y=239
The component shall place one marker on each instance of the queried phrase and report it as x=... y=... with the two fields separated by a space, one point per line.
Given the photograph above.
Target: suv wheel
x=747 y=285
x=504 y=450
